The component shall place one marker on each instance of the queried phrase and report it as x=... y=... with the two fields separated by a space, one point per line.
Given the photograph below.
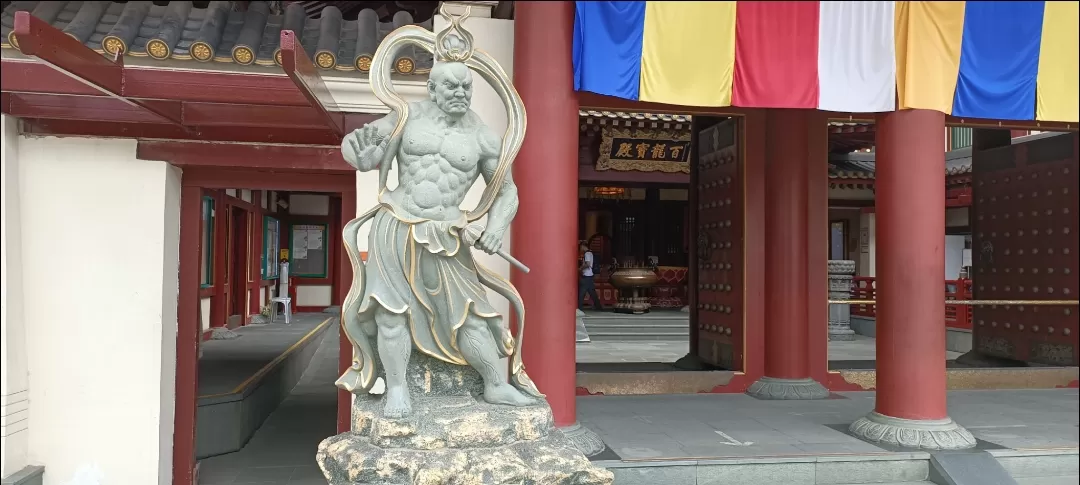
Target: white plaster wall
x=313 y=295
x=14 y=408
x=954 y=256
x=170 y=289
x=204 y=313
x=100 y=243
x=309 y=204
x=957 y=217
x=497 y=38
x=867 y=245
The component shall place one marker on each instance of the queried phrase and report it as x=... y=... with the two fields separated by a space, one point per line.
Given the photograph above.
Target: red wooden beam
x=23 y=76
x=215 y=114
x=27 y=76
x=86 y=108
x=227 y=178
x=249 y=156
x=298 y=67
x=599 y=102
x=299 y=136
x=102 y=108
x=588 y=173
x=67 y=55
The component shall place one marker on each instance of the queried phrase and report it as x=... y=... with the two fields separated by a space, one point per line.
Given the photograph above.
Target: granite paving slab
x=225 y=364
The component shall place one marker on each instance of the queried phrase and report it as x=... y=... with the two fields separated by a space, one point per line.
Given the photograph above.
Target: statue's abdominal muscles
x=437 y=166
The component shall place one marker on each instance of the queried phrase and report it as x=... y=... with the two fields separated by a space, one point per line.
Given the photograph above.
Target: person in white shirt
x=585 y=280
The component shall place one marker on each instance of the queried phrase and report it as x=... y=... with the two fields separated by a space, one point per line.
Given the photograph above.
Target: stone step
x=895 y=483
x=638 y=337
x=673 y=318
x=626 y=324
x=1029 y=467
x=631 y=328
x=1064 y=480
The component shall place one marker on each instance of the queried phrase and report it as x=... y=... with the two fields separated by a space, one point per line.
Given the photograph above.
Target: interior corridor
x=282 y=451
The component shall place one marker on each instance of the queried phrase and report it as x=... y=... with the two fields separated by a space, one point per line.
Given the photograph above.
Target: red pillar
x=188 y=336
x=787 y=367
x=544 y=233
x=910 y=180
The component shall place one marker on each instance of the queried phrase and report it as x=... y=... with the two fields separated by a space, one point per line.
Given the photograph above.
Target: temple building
x=166 y=163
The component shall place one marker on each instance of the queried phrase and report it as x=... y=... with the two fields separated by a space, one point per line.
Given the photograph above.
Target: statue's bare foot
x=396 y=403
x=506 y=394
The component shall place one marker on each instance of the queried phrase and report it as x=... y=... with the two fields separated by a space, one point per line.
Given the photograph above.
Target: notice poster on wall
x=314 y=239
x=308 y=249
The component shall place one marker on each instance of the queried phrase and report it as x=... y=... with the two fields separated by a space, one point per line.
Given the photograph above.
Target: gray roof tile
x=220 y=33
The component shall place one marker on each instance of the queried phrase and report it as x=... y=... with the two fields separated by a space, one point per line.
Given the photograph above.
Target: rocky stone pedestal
x=841 y=275
x=453 y=437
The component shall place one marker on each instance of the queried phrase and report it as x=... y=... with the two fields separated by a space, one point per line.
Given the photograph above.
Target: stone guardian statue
x=458 y=406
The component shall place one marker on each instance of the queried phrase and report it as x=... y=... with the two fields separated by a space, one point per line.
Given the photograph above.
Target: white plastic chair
x=286 y=302
x=283 y=295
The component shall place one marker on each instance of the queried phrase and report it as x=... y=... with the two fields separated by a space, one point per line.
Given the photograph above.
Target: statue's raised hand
x=364 y=148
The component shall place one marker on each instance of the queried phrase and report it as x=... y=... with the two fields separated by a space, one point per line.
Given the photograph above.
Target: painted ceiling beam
x=67 y=55
x=306 y=77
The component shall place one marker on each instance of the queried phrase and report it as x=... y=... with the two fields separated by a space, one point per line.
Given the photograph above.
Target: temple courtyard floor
x=706 y=438
x=857 y=353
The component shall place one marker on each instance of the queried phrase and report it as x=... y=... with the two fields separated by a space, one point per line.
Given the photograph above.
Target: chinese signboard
x=644 y=150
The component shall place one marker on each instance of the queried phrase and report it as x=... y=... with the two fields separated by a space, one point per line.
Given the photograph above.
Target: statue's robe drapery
x=422 y=268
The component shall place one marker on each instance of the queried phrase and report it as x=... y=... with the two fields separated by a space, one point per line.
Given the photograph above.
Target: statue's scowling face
x=450 y=87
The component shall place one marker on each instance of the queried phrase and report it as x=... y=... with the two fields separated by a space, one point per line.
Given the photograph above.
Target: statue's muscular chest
x=454 y=144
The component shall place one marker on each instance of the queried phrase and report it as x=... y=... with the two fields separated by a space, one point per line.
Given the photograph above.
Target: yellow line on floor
x=273 y=363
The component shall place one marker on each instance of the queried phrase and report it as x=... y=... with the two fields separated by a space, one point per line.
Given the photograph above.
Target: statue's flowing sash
x=361 y=374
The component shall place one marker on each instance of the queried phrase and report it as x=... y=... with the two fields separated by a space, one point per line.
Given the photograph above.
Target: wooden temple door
x=717 y=177
x=1024 y=247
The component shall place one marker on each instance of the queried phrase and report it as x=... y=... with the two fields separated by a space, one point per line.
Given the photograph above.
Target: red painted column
x=787 y=367
x=256 y=254
x=188 y=335
x=544 y=233
x=910 y=181
x=910 y=175
x=344 y=281
x=817 y=244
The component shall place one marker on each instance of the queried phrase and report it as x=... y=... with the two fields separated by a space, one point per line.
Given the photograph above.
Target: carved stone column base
x=841 y=334
x=780 y=389
x=584 y=439
x=942 y=434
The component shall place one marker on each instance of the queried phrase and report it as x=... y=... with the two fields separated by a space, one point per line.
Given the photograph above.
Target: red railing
x=956 y=316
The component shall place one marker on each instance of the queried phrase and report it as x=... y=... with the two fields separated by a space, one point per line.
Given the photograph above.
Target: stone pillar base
x=584 y=439
x=941 y=434
x=841 y=334
x=771 y=388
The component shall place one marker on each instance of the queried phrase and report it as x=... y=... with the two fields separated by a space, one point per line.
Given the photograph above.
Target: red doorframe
x=195 y=179
x=240 y=262
x=188 y=333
